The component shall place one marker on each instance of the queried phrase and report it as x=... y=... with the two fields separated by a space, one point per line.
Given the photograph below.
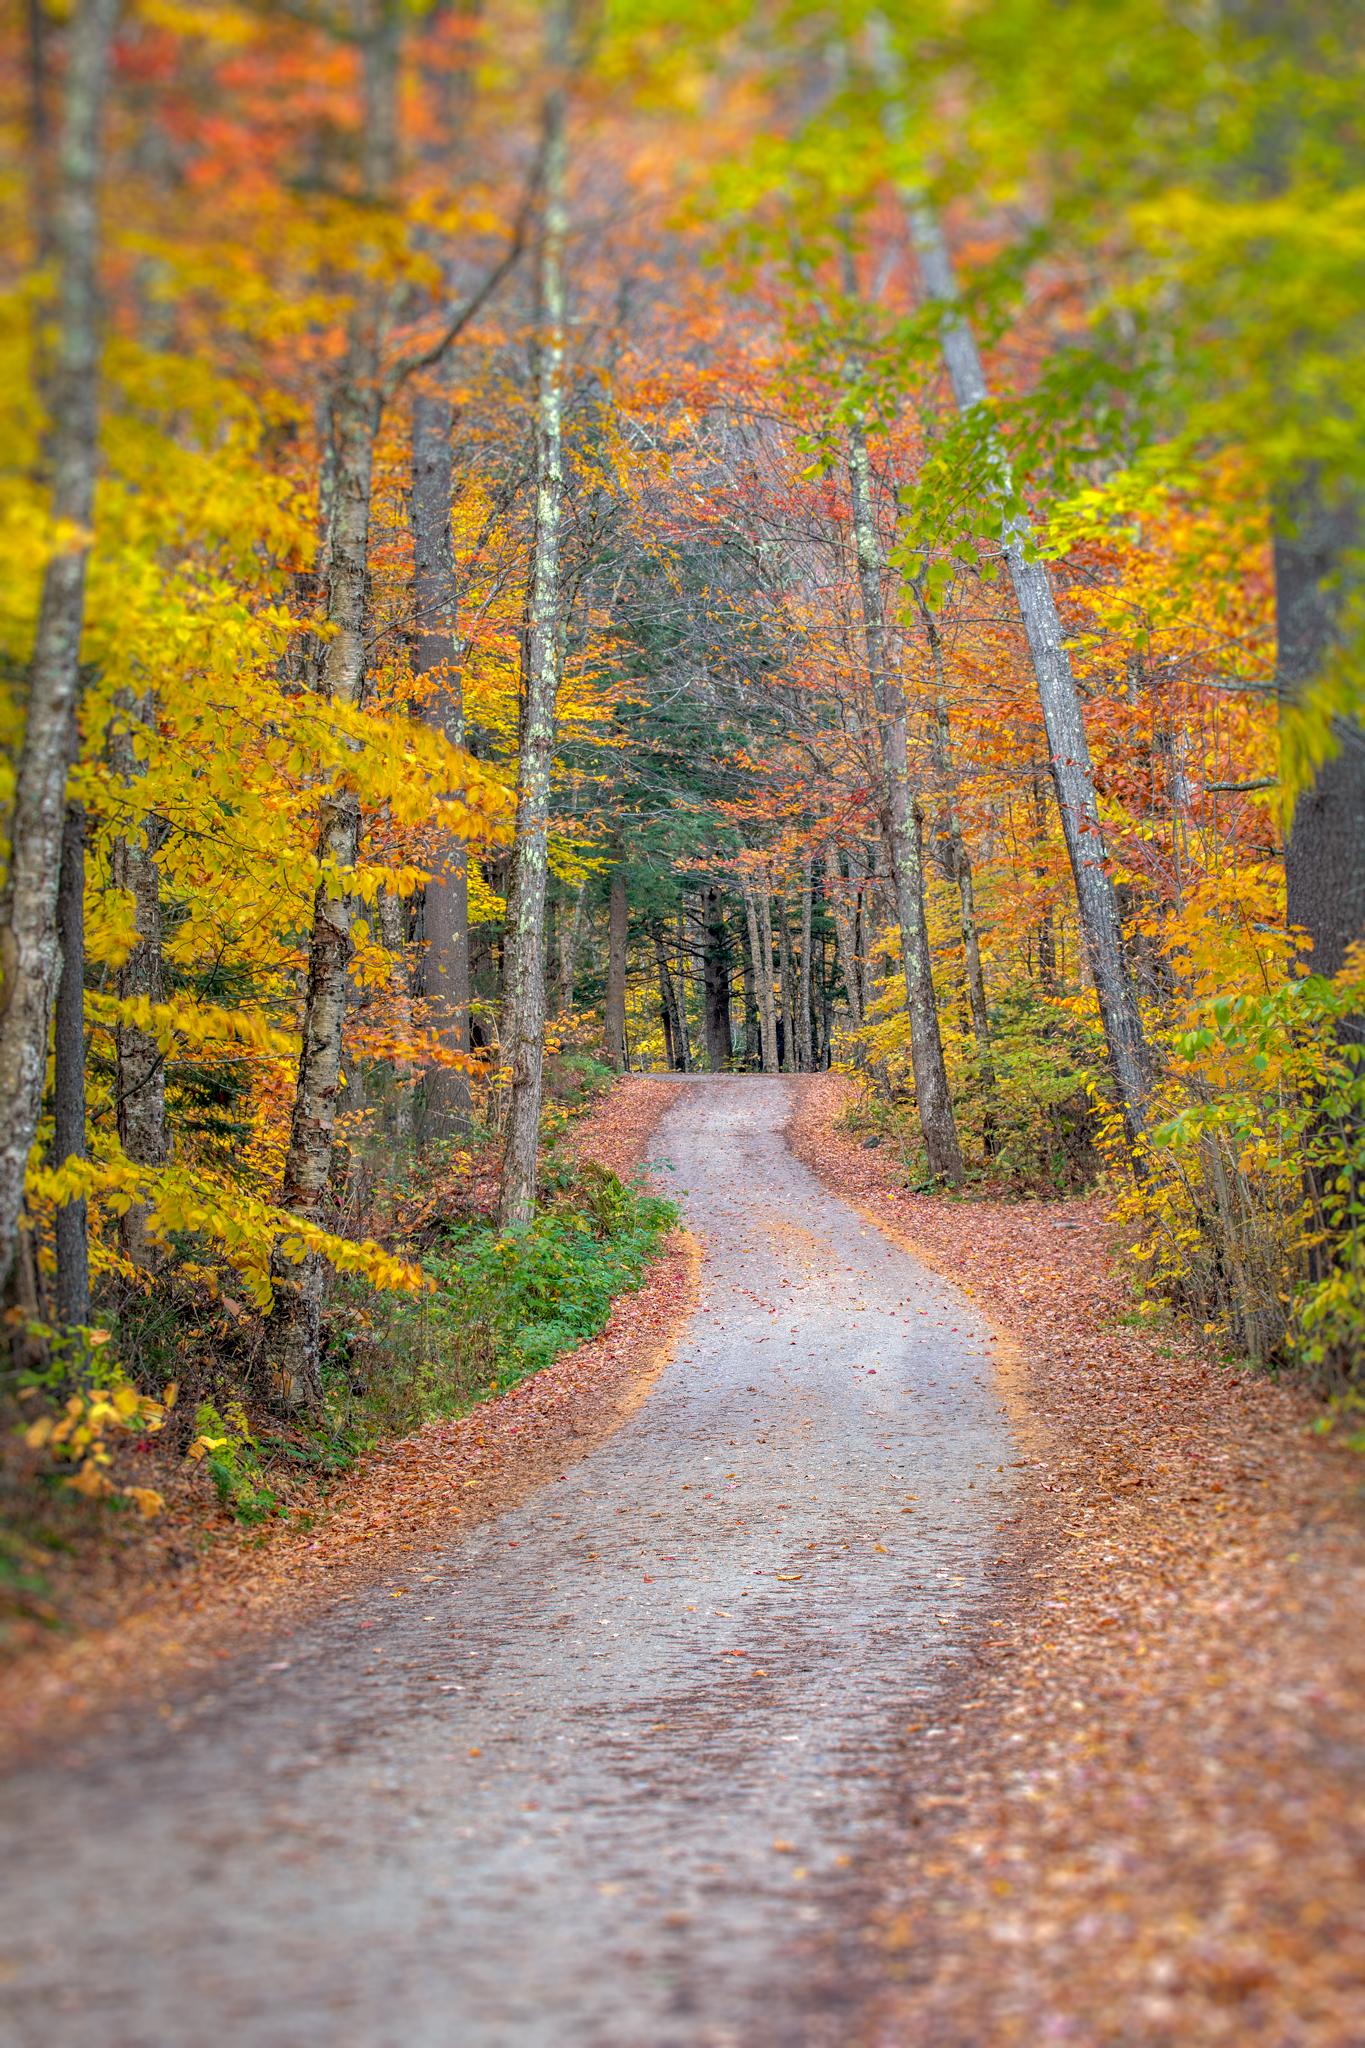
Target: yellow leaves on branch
x=80 y=1433
x=181 y=1021
x=246 y=1229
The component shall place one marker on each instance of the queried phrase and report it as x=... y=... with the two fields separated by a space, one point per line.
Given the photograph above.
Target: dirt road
x=614 y=1771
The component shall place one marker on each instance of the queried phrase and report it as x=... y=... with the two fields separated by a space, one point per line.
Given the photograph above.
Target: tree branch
x=423 y=358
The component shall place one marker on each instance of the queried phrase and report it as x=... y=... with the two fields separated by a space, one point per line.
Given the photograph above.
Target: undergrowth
x=506 y=1303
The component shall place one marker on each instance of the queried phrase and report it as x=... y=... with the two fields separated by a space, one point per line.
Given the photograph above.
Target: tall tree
x=618 y=946
x=293 y=1332
x=1068 y=746
x=525 y=944
x=901 y=831
x=29 y=947
x=715 y=966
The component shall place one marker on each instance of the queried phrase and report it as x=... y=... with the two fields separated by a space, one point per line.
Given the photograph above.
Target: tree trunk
x=790 y=1062
x=445 y=958
x=685 y=1049
x=68 y=1138
x=29 y=946
x=716 y=982
x=523 y=1048
x=140 y=1063
x=293 y=1335
x=1068 y=747
x=761 y=950
x=1325 y=855
x=393 y=930
x=837 y=899
x=618 y=935
x=570 y=928
x=961 y=865
x=901 y=832
x=752 y=1037
x=668 y=1001
x=804 y=1041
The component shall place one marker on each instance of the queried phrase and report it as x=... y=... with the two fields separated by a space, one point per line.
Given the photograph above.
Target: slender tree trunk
x=1047 y=941
x=1068 y=746
x=445 y=958
x=668 y=1001
x=960 y=861
x=716 y=982
x=836 y=896
x=393 y=930
x=293 y=1336
x=761 y=952
x=570 y=928
x=804 y=1039
x=525 y=948
x=618 y=937
x=29 y=946
x=790 y=1029
x=685 y=1048
x=69 y=1141
x=140 y=1063
x=901 y=832
x=752 y=1039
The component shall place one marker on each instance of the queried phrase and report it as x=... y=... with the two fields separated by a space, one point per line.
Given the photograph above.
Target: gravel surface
x=615 y=1770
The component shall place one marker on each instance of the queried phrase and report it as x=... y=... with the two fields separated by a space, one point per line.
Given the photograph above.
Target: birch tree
x=524 y=958
x=29 y=948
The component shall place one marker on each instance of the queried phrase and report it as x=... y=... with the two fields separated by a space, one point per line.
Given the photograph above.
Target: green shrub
x=506 y=1303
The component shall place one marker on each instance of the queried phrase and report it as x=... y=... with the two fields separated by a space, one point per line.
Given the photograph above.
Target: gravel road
x=617 y=1770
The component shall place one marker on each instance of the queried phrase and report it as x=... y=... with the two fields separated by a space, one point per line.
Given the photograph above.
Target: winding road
x=620 y=1768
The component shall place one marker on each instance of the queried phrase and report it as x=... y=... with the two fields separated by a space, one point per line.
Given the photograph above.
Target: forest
x=554 y=541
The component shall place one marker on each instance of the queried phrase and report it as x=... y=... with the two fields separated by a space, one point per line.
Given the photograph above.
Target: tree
x=29 y=949
x=902 y=832
x=525 y=955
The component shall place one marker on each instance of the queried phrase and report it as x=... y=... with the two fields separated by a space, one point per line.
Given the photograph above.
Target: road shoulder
x=1140 y=1817
x=404 y=1497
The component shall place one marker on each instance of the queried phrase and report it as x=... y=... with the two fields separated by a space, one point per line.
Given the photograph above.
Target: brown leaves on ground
x=1141 y=1819
x=159 y=1629
x=618 y=1129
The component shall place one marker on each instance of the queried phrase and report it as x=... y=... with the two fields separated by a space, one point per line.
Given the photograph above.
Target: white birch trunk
x=524 y=1027
x=29 y=949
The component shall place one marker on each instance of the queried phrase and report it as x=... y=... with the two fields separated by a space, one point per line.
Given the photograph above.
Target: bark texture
x=525 y=947
x=29 y=949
